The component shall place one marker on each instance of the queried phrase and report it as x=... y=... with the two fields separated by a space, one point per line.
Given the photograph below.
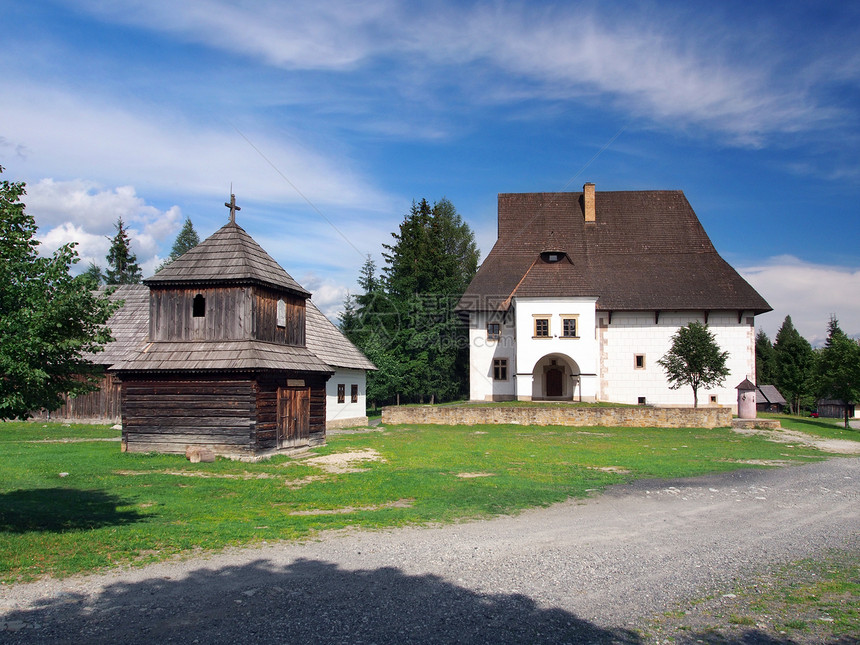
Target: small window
x=639 y=361
x=341 y=393
x=500 y=369
x=541 y=327
x=353 y=393
x=568 y=327
x=494 y=331
x=282 y=313
x=641 y=400
x=199 y=306
x=714 y=399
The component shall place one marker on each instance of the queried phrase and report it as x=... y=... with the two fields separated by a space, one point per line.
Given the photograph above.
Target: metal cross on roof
x=233 y=208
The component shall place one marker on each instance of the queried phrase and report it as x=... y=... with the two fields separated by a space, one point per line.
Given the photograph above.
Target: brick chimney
x=588 y=201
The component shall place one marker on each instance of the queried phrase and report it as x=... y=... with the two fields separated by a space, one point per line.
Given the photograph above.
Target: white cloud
x=328 y=296
x=681 y=70
x=84 y=212
x=809 y=293
x=60 y=130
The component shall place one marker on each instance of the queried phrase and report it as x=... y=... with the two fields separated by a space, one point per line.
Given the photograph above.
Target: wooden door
x=294 y=416
x=554 y=382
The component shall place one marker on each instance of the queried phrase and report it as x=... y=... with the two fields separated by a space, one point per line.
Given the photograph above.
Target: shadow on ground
x=308 y=601
x=61 y=509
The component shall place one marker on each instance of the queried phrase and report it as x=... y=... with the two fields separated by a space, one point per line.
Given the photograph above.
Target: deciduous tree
x=49 y=320
x=695 y=359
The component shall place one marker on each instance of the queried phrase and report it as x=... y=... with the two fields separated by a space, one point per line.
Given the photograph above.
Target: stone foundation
x=560 y=415
x=351 y=422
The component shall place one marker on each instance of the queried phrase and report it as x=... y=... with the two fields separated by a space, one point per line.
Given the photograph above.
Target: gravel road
x=583 y=571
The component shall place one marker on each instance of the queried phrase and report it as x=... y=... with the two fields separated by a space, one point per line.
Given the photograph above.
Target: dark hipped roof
x=646 y=250
x=128 y=325
x=769 y=394
x=229 y=255
x=328 y=342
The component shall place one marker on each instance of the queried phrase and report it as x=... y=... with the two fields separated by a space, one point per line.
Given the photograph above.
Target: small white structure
x=582 y=293
x=346 y=390
x=746 y=399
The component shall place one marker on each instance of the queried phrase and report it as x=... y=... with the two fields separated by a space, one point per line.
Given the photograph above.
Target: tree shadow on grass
x=61 y=509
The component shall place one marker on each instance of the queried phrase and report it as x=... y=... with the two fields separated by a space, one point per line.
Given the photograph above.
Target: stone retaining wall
x=560 y=415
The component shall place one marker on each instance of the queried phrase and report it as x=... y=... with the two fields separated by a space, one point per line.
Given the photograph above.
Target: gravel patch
x=586 y=571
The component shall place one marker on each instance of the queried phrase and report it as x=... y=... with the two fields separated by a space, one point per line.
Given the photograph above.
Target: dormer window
x=553 y=256
x=199 y=310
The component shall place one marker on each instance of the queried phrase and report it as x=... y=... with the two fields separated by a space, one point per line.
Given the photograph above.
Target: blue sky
x=329 y=118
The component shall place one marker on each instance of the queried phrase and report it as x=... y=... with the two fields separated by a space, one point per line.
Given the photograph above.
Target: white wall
x=482 y=351
x=632 y=333
x=335 y=411
x=584 y=350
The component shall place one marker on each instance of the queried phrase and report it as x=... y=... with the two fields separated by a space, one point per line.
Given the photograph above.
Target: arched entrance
x=556 y=377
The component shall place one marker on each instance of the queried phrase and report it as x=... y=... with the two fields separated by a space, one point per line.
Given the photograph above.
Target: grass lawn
x=76 y=503
x=827 y=428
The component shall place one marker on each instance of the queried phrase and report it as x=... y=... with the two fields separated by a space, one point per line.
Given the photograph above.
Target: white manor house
x=582 y=292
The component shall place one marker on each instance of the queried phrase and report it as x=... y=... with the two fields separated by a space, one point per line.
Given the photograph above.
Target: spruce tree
x=794 y=363
x=764 y=360
x=122 y=263
x=838 y=367
x=185 y=241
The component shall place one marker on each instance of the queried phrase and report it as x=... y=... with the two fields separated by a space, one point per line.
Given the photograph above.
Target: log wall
x=102 y=406
x=168 y=415
x=232 y=416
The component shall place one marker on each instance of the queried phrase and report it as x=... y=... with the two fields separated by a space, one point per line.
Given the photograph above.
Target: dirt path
x=835 y=446
x=587 y=571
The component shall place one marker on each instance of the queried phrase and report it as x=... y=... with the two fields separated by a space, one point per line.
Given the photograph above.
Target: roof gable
x=229 y=255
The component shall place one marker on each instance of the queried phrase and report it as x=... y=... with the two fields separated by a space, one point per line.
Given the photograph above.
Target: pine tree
x=794 y=363
x=186 y=240
x=764 y=359
x=429 y=266
x=94 y=276
x=838 y=367
x=122 y=263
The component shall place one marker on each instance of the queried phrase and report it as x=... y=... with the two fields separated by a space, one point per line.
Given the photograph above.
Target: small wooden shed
x=769 y=399
x=225 y=364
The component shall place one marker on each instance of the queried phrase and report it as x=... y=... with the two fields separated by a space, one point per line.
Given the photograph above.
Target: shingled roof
x=646 y=250
x=328 y=342
x=230 y=355
x=128 y=325
x=227 y=256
